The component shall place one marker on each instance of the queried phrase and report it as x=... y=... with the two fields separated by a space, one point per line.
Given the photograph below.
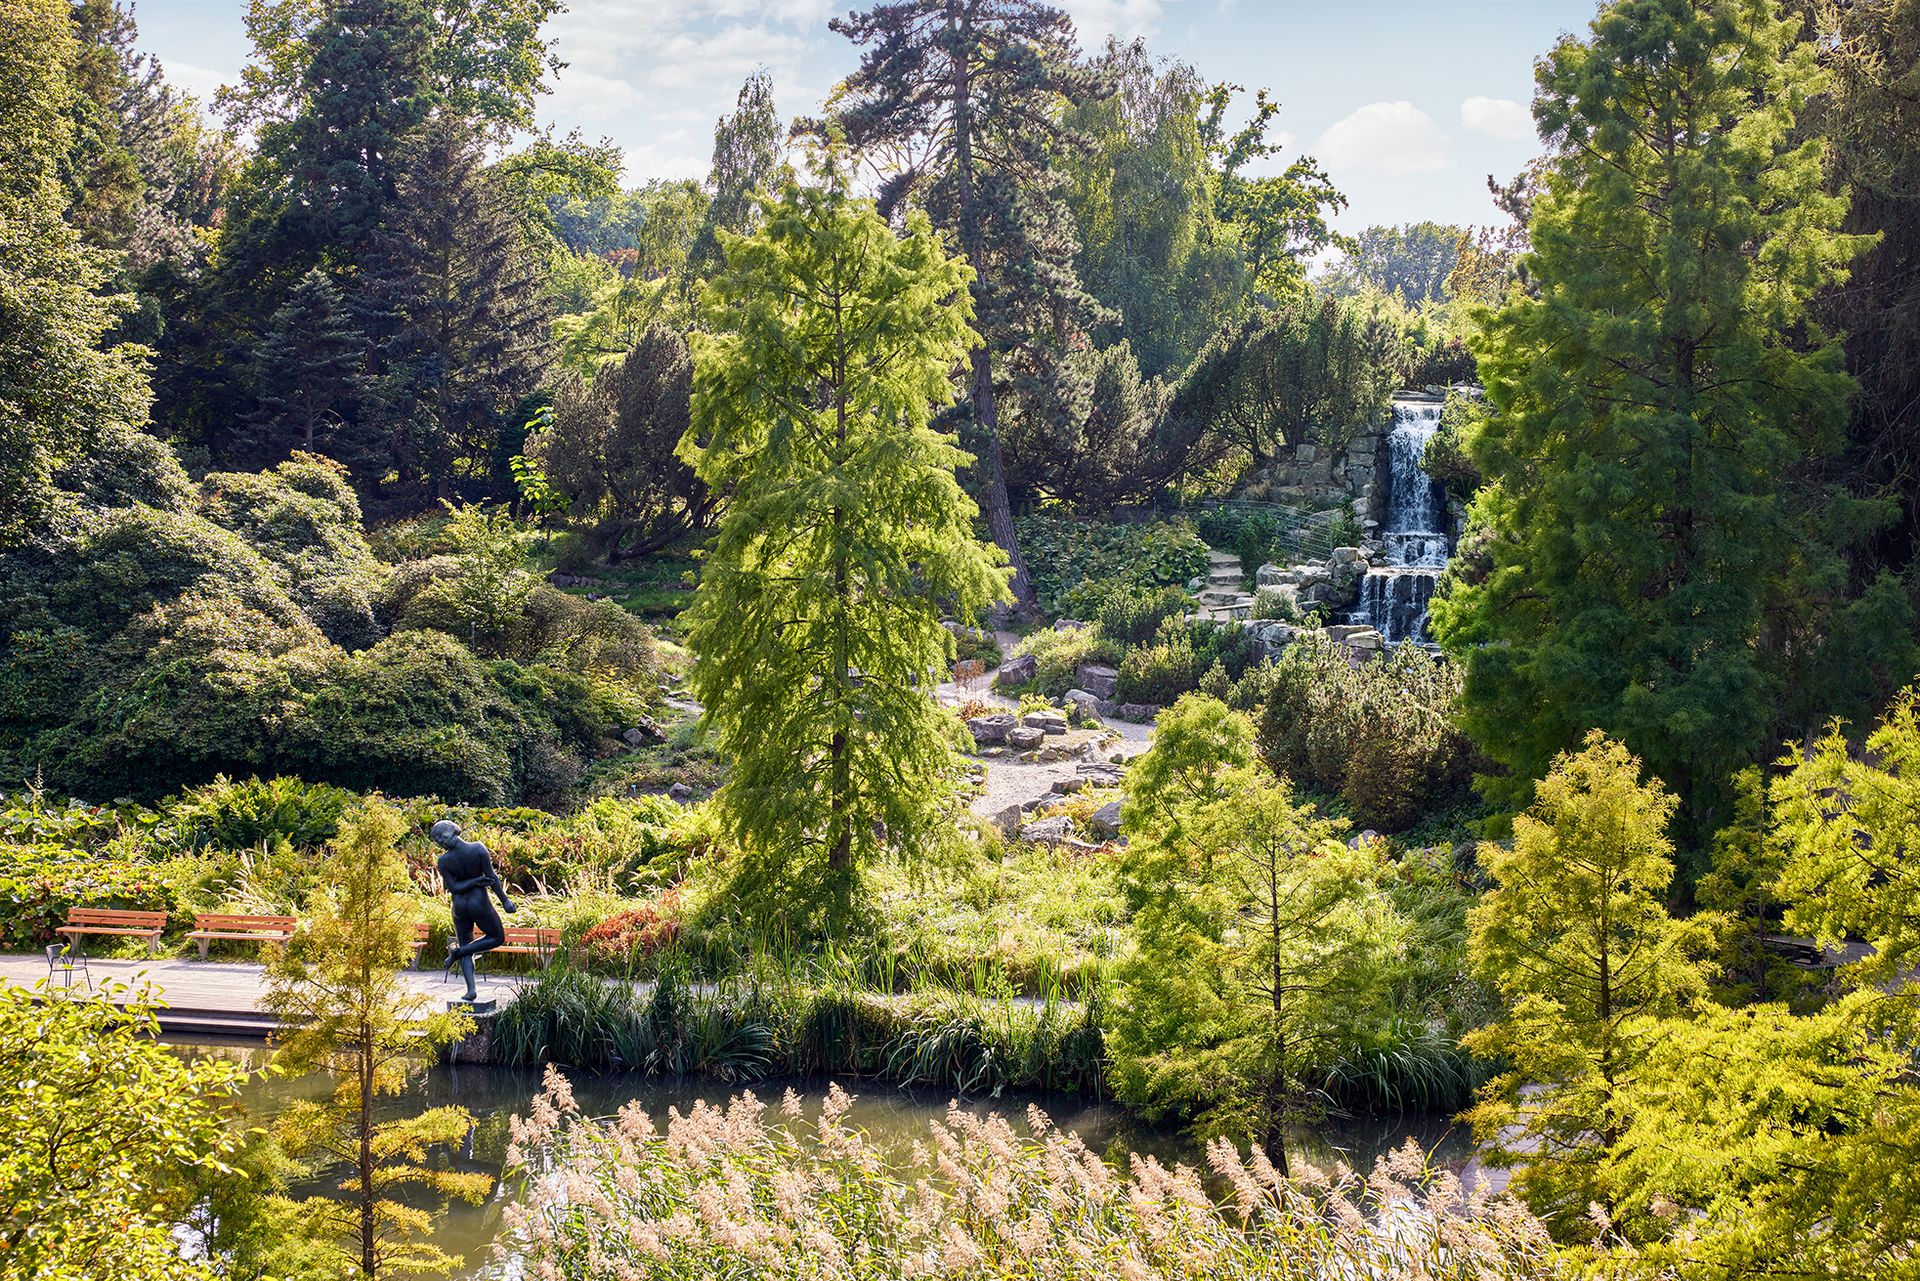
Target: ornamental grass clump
x=729 y=1191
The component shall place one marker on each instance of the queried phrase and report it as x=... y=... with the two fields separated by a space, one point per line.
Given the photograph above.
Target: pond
x=893 y=1116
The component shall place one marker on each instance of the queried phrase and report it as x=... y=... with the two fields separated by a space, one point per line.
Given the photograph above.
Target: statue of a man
x=466 y=869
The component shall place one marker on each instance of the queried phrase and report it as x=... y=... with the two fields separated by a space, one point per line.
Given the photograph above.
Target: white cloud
x=1095 y=20
x=1391 y=137
x=1497 y=118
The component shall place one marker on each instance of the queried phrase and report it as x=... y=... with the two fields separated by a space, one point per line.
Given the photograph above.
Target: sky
x=1408 y=104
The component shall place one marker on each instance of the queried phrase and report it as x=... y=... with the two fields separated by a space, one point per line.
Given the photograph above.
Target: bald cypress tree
x=816 y=628
x=970 y=89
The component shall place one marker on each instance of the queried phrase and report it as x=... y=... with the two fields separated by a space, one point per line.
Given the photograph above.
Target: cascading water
x=1395 y=592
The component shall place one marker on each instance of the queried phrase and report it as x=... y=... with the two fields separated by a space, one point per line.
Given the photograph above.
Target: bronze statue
x=466 y=869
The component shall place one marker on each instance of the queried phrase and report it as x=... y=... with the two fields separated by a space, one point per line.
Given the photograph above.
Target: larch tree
x=1657 y=396
x=960 y=100
x=339 y=992
x=456 y=295
x=1576 y=936
x=817 y=624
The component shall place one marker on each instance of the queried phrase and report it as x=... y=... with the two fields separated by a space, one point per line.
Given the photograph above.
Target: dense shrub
x=39 y=884
x=1379 y=734
x=1127 y=613
x=1057 y=651
x=1180 y=657
x=1063 y=553
x=228 y=814
x=634 y=934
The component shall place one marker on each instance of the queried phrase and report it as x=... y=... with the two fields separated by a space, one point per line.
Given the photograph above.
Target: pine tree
x=1575 y=935
x=610 y=448
x=60 y=389
x=310 y=372
x=339 y=992
x=456 y=296
x=1656 y=395
x=816 y=627
x=969 y=88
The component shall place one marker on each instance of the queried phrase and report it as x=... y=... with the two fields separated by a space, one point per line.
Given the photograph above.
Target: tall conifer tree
x=1654 y=397
x=311 y=373
x=971 y=89
x=456 y=297
x=817 y=623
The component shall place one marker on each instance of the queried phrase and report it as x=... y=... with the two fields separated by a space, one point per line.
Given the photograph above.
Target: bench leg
x=203 y=948
x=153 y=946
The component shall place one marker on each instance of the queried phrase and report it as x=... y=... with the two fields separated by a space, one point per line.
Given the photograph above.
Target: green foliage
x=106 y=1128
x=1411 y=262
x=1576 y=936
x=1448 y=457
x=1066 y=553
x=1658 y=568
x=1056 y=652
x=1128 y=613
x=1261 y=941
x=229 y=815
x=40 y=883
x=1302 y=374
x=610 y=446
x=337 y=991
x=817 y=620
x=1181 y=654
x=66 y=394
x=1379 y=734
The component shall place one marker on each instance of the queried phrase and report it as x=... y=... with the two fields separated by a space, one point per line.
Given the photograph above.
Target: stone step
x=1222 y=558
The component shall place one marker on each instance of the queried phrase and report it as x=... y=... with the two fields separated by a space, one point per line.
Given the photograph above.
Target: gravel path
x=1011 y=781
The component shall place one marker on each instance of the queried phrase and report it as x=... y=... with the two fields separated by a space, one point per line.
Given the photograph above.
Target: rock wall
x=1320 y=475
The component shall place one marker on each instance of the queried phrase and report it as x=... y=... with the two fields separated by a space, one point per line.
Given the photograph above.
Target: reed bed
x=734 y=1192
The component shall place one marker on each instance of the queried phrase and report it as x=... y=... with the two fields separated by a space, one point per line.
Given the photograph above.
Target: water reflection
x=894 y=1117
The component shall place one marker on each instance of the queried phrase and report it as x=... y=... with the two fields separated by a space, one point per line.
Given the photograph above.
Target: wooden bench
x=208 y=926
x=540 y=941
x=82 y=921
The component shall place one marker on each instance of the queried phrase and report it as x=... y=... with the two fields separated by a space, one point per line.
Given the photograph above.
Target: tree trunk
x=992 y=467
x=369 y=1258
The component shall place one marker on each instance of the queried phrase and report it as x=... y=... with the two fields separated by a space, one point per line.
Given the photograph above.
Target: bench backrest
x=533 y=936
x=239 y=921
x=116 y=916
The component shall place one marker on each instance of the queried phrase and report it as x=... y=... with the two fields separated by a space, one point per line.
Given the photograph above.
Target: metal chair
x=63 y=963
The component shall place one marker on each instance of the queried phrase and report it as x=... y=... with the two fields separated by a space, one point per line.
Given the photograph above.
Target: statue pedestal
x=477 y=1008
x=477 y=1045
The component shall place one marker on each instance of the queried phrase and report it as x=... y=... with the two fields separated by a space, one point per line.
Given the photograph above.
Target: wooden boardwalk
x=217 y=998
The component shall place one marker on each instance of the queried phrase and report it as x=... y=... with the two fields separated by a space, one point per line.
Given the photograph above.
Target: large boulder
x=1024 y=738
x=1105 y=821
x=1140 y=713
x=1103 y=682
x=990 y=730
x=1088 y=703
x=1048 y=831
x=1016 y=671
x=1046 y=722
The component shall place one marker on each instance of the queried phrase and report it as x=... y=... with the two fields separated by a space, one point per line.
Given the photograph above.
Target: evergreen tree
x=458 y=300
x=340 y=994
x=610 y=448
x=1413 y=262
x=816 y=627
x=969 y=88
x=1575 y=935
x=61 y=391
x=1656 y=394
x=1261 y=941
x=310 y=371
x=1872 y=119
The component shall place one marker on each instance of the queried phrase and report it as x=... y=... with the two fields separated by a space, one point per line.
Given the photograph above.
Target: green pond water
x=892 y=1116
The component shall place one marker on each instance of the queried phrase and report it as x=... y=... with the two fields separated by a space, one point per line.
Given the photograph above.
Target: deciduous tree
x=339 y=993
x=1576 y=936
x=816 y=627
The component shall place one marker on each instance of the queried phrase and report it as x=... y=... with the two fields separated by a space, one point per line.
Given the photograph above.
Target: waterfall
x=1395 y=592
